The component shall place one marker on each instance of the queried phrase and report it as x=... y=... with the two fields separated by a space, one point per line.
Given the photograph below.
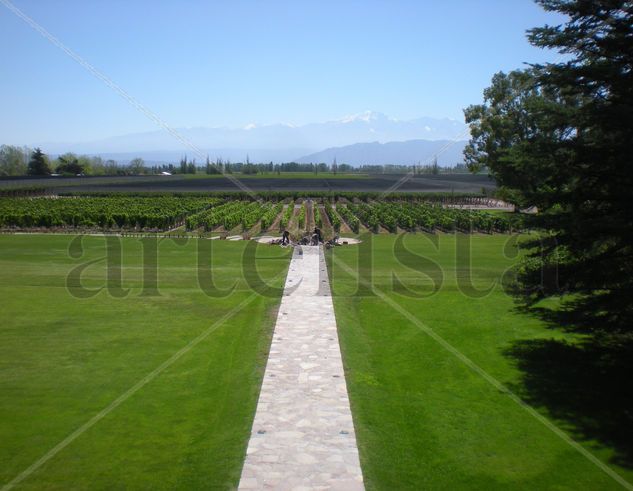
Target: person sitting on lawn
x=317 y=232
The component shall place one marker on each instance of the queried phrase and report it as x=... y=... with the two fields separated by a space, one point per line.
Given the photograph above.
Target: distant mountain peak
x=279 y=141
x=366 y=116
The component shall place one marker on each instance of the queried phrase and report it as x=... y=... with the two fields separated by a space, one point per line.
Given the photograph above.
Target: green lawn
x=424 y=419
x=64 y=359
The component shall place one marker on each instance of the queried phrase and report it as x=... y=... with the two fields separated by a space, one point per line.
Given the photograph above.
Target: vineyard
x=158 y=213
x=241 y=215
x=236 y=213
x=425 y=217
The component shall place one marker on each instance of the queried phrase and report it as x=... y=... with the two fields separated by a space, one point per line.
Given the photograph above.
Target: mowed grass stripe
x=423 y=418
x=64 y=360
x=126 y=395
x=491 y=380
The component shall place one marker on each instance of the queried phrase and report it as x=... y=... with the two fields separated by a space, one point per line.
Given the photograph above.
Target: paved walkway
x=303 y=437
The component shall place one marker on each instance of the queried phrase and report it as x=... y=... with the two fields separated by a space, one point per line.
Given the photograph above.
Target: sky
x=236 y=62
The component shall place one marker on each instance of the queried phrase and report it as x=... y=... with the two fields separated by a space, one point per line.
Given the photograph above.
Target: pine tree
x=38 y=165
x=558 y=136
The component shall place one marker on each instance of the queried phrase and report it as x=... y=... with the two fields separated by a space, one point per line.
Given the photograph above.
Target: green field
x=424 y=418
x=154 y=411
x=64 y=359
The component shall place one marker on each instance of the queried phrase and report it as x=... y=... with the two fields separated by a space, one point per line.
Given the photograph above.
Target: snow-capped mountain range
x=276 y=142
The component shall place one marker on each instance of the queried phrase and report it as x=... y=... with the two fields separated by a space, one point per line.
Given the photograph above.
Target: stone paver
x=303 y=437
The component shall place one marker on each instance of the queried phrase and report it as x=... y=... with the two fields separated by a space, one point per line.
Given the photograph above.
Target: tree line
x=22 y=161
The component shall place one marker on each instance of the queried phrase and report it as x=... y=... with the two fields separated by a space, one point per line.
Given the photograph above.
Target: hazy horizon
x=243 y=63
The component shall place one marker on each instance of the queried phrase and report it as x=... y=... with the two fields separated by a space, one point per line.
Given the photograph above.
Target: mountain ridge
x=423 y=152
x=275 y=142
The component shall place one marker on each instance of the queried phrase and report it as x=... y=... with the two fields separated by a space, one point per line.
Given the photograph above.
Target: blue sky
x=230 y=63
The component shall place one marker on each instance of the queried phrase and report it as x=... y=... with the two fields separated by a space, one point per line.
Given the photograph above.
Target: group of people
x=314 y=239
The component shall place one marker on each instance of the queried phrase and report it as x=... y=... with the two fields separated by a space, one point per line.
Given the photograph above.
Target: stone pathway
x=303 y=437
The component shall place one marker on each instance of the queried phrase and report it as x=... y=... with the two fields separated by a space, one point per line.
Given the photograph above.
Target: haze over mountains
x=409 y=152
x=315 y=142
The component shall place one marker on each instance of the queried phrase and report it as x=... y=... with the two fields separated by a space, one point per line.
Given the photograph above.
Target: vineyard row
x=161 y=213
